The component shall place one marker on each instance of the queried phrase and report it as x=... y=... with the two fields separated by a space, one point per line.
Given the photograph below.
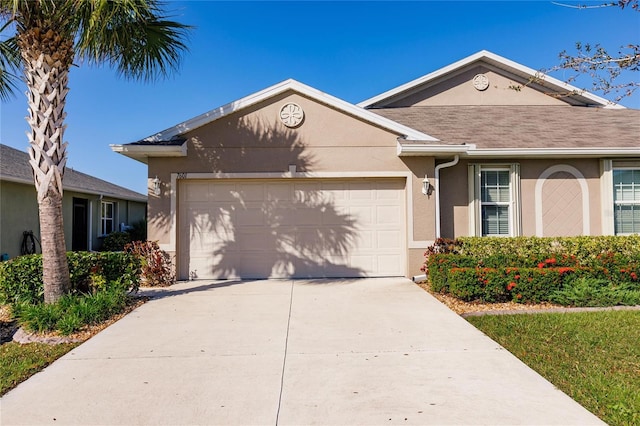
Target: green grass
x=594 y=357
x=19 y=362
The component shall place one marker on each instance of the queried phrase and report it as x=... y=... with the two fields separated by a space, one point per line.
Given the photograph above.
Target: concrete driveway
x=297 y=352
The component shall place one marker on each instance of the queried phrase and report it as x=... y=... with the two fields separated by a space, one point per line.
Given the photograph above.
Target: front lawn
x=594 y=357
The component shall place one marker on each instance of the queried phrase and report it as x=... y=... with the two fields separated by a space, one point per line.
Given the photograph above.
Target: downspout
x=422 y=278
x=437 y=189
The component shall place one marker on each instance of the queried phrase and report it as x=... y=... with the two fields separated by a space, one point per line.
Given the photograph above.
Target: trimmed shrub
x=532 y=269
x=21 y=278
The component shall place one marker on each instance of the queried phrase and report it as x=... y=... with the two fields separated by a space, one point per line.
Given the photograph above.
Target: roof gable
x=542 y=89
x=14 y=167
x=178 y=130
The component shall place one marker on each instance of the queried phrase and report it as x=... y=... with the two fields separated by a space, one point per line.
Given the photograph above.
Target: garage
x=291 y=228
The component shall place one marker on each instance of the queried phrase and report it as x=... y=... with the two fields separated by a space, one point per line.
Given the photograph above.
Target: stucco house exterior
x=293 y=182
x=92 y=207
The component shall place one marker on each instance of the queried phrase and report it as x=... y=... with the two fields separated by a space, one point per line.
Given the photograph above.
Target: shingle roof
x=14 y=166
x=523 y=126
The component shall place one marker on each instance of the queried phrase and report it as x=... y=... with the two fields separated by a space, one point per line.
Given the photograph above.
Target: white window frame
x=607 y=167
x=620 y=202
x=104 y=219
x=475 y=201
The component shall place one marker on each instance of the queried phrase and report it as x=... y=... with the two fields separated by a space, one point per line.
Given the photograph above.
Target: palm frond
x=10 y=63
x=133 y=36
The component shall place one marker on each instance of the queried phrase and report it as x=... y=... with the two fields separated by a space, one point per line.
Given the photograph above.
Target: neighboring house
x=91 y=207
x=292 y=182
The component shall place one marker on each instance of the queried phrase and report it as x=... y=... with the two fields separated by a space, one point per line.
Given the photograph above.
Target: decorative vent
x=481 y=82
x=291 y=115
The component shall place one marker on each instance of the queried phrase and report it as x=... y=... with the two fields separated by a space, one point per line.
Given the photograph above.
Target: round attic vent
x=481 y=82
x=291 y=115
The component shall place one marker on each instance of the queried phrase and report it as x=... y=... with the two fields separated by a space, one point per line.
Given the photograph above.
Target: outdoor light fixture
x=427 y=189
x=156 y=185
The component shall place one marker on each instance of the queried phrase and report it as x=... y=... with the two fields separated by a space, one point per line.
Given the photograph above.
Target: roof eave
x=296 y=86
x=470 y=151
x=500 y=62
x=142 y=198
x=143 y=152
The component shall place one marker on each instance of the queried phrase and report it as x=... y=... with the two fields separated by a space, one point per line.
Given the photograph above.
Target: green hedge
x=583 y=250
x=21 y=277
x=531 y=269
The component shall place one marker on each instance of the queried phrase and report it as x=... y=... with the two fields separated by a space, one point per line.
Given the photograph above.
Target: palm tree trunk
x=47 y=59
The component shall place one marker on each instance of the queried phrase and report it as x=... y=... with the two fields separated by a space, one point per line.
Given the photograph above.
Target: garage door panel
x=250 y=216
x=362 y=215
x=221 y=192
x=279 y=192
x=389 y=265
x=364 y=240
x=388 y=215
x=251 y=192
x=294 y=228
x=388 y=240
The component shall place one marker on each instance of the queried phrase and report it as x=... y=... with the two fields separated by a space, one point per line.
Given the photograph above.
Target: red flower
x=633 y=276
x=511 y=286
x=541 y=265
x=551 y=261
x=517 y=277
x=519 y=296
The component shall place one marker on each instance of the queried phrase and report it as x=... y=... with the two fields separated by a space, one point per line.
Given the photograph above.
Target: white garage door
x=291 y=228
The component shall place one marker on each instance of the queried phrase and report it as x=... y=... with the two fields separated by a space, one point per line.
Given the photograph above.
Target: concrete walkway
x=332 y=352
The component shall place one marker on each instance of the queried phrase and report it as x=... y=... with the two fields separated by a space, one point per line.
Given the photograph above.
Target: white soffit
x=499 y=62
x=142 y=152
x=277 y=89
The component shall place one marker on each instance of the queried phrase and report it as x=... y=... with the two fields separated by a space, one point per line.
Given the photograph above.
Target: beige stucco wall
x=455 y=195
x=254 y=141
x=459 y=90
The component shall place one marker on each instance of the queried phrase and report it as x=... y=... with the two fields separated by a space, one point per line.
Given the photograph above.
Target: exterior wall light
x=427 y=189
x=156 y=185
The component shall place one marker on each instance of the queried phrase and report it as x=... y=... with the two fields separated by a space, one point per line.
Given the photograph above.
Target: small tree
x=602 y=66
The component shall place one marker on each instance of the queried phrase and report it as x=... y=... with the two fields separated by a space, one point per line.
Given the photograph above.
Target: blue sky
x=351 y=50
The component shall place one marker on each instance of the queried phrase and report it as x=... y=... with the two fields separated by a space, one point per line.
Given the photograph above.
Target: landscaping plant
x=569 y=271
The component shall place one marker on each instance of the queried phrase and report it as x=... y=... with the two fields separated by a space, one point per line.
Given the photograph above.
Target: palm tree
x=134 y=36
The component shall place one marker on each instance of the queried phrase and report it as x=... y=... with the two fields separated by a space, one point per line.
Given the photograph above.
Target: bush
x=531 y=269
x=156 y=265
x=116 y=241
x=21 y=278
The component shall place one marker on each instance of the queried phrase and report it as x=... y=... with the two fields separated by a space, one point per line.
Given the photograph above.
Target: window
x=626 y=201
x=107 y=217
x=494 y=200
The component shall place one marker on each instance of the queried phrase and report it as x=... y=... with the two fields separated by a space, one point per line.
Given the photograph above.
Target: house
x=293 y=182
x=92 y=207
